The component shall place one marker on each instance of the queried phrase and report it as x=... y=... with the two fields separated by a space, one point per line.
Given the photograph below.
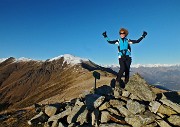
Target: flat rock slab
x=135 y=107
x=174 y=119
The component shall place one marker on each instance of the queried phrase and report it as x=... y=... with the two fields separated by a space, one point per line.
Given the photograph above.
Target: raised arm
x=108 y=40
x=137 y=41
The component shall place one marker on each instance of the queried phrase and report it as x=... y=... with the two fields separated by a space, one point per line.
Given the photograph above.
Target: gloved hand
x=144 y=34
x=104 y=34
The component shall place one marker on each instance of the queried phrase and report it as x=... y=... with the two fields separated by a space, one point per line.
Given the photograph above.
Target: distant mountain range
x=162 y=75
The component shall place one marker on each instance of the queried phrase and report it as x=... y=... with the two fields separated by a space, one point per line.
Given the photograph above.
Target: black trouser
x=124 y=63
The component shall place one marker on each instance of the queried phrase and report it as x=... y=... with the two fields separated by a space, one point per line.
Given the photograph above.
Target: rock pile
x=136 y=105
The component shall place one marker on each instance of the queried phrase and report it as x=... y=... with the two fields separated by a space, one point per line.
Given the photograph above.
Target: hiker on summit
x=124 y=53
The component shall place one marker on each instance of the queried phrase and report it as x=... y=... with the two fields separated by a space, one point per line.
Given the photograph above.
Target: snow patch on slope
x=23 y=59
x=3 y=59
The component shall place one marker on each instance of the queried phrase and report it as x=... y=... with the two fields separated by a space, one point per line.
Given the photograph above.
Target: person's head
x=123 y=32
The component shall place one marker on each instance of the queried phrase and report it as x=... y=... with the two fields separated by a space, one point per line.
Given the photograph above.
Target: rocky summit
x=137 y=105
x=59 y=92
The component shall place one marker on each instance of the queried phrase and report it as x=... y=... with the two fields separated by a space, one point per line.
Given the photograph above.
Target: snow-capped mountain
x=163 y=75
x=21 y=59
x=144 y=65
x=154 y=65
x=28 y=79
x=70 y=59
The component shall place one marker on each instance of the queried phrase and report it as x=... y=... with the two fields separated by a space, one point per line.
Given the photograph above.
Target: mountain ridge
x=26 y=82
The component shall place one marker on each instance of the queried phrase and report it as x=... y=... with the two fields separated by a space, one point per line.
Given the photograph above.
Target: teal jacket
x=124 y=48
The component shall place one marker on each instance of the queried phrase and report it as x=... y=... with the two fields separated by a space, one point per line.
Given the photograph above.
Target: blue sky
x=42 y=29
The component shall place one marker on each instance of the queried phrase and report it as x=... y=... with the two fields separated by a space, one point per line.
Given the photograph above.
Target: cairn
x=111 y=106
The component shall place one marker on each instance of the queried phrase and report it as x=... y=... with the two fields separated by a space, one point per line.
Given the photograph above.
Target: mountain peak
x=70 y=59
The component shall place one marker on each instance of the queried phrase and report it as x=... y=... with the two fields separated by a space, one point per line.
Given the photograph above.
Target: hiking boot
x=122 y=84
x=126 y=80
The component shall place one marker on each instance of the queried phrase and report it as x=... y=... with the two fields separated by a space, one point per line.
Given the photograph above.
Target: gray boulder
x=163 y=109
x=113 y=111
x=51 y=110
x=125 y=93
x=154 y=106
x=116 y=103
x=134 y=107
x=82 y=118
x=174 y=119
x=141 y=119
x=93 y=101
x=138 y=87
x=117 y=92
x=162 y=123
x=39 y=119
x=105 y=116
x=124 y=111
x=133 y=97
x=76 y=111
x=174 y=106
x=104 y=106
x=60 y=115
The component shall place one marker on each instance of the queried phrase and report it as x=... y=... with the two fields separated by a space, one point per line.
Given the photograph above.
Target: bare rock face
x=138 y=87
